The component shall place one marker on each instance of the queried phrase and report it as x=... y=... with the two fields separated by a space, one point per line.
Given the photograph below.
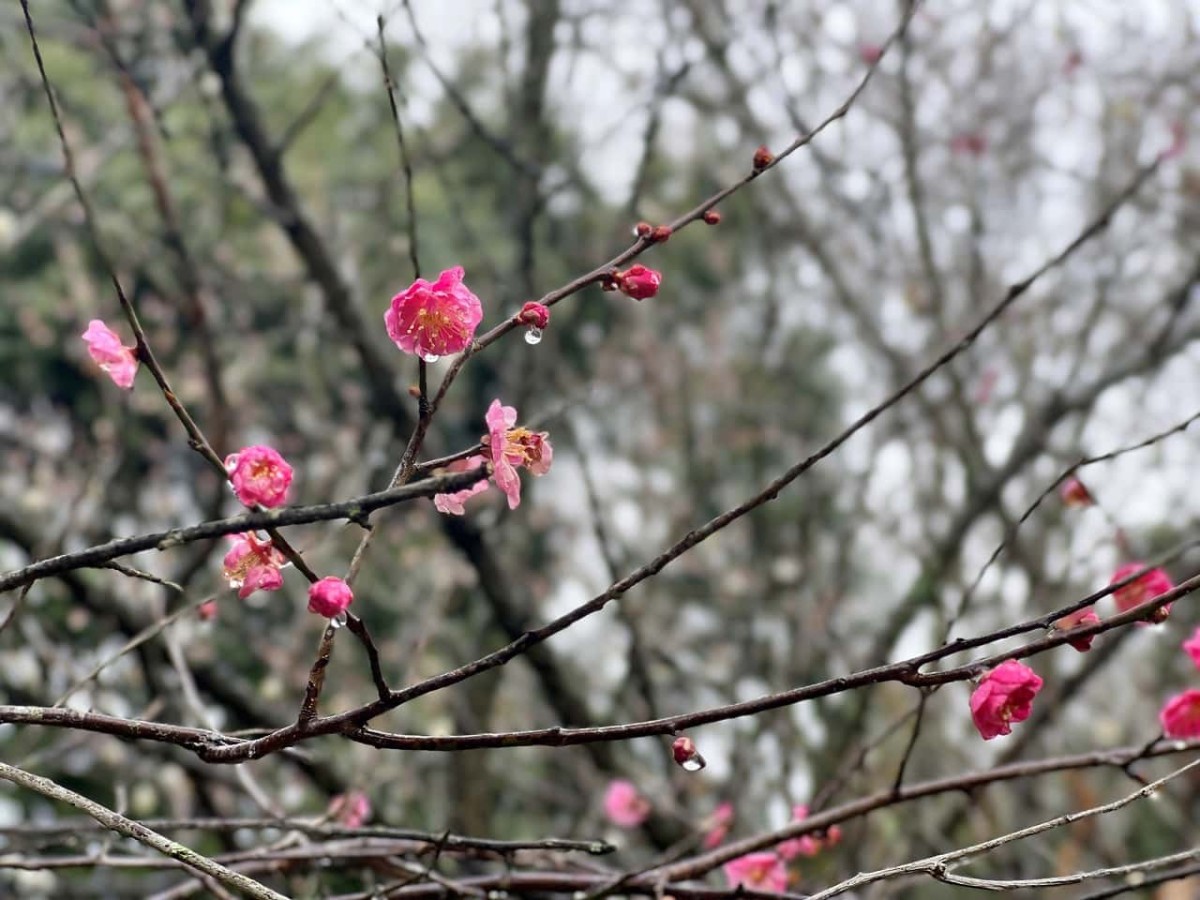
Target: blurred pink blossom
x=119 y=362
x=758 y=872
x=624 y=806
x=1153 y=584
x=718 y=825
x=1180 y=716
x=350 y=809
x=1085 y=616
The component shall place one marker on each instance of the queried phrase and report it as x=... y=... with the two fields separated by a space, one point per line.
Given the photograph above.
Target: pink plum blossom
x=624 y=806
x=1004 y=695
x=638 y=282
x=1074 y=492
x=757 y=872
x=452 y=503
x=259 y=476
x=510 y=448
x=207 y=611
x=718 y=825
x=253 y=564
x=1077 y=619
x=434 y=320
x=119 y=362
x=1153 y=584
x=1192 y=647
x=1180 y=716
x=350 y=809
x=329 y=597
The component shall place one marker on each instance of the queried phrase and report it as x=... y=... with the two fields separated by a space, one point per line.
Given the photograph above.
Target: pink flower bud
x=329 y=597
x=120 y=363
x=534 y=315
x=1004 y=695
x=762 y=158
x=639 y=282
x=1077 y=619
x=712 y=217
x=207 y=611
x=643 y=229
x=1180 y=716
x=624 y=806
x=661 y=234
x=434 y=320
x=259 y=476
x=1153 y=584
x=870 y=53
x=687 y=757
x=1074 y=492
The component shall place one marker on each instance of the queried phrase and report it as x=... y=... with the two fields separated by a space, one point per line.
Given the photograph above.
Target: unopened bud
x=687 y=757
x=712 y=217
x=762 y=158
x=643 y=229
x=661 y=234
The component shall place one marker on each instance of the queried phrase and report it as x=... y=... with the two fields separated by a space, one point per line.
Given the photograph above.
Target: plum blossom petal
x=452 y=503
x=119 y=362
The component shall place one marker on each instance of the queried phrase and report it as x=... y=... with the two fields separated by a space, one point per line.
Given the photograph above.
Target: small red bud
x=414 y=392
x=686 y=755
x=712 y=217
x=207 y=610
x=643 y=229
x=762 y=158
x=661 y=234
x=534 y=314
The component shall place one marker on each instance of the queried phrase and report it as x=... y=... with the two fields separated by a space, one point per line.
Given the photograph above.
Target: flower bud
x=661 y=234
x=643 y=229
x=762 y=158
x=712 y=217
x=687 y=757
x=534 y=314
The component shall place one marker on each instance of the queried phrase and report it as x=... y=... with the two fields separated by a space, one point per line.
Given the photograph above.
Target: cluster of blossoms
x=1005 y=694
x=429 y=320
x=625 y=807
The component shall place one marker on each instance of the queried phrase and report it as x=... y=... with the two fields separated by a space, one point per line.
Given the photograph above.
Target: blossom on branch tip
x=253 y=564
x=1153 y=584
x=104 y=346
x=434 y=320
x=1004 y=695
x=452 y=504
x=259 y=476
x=510 y=448
x=1074 y=492
x=757 y=872
x=329 y=597
x=1180 y=716
x=638 y=282
x=1077 y=619
x=624 y=806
